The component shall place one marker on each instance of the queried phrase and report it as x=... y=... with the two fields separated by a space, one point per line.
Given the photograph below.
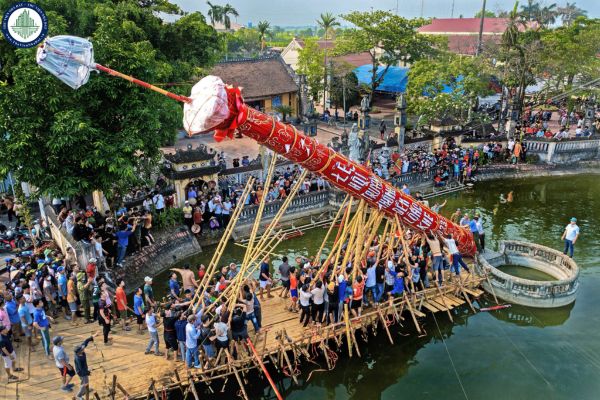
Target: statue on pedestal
x=354 y=143
x=384 y=160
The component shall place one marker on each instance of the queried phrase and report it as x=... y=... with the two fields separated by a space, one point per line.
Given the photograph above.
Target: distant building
x=291 y=52
x=463 y=33
x=266 y=82
x=220 y=27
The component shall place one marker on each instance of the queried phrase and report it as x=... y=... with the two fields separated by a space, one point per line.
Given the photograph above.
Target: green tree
x=284 y=110
x=326 y=21
x=215 y=13
x=101 y=136
x=388 y=38
x=570 y=51
x=488 y=14
x=263 y=29
x=310 y=64
x=244 y=42
x=344 y=83
x=446 y=87
x=226 y=11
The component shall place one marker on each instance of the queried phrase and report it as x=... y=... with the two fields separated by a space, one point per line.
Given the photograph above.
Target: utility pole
x=422 y=6
x=480 y=41
x=452 y=11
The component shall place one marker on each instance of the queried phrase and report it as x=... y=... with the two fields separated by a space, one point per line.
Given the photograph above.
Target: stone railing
x=301 y=203
x=543 y=294
x=64 y=241
x=564 y=151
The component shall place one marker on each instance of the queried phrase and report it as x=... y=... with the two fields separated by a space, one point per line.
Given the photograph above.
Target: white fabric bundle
x=209 y=106
x=69 y=58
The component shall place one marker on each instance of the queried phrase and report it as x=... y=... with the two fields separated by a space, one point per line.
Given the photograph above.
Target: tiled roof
x=467 y=44
x=355 y=59
x=258 y=78
x=465 y=25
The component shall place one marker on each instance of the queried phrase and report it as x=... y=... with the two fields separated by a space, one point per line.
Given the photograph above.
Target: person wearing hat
x=84 y=290
x=61 y=359
x=570 y=236
x=149 y=292
x=81 y=367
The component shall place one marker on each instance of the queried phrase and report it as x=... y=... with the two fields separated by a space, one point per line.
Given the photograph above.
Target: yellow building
x=266 y=82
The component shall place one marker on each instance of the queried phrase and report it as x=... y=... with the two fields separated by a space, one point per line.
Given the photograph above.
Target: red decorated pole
x=343 y=173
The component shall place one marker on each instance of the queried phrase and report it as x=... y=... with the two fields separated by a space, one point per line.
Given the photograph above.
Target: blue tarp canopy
x=394 y=81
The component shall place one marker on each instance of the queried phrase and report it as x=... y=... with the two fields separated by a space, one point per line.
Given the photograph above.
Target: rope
x=526 y=358
x=450 y=357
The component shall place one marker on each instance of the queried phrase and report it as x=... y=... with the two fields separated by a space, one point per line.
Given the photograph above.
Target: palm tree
x=327 y=21
x=547 y=15
x=226 y=10
x=529 y=11
x=263 y=31
x=215 y=13
x=569 y=13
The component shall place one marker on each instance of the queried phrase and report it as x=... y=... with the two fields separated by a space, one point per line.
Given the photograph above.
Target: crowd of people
x=207 y=207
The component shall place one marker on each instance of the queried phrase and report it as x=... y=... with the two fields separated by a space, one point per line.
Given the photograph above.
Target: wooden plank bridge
x=122 y=371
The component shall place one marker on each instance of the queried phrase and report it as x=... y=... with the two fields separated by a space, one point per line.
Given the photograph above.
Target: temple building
x=266 y=82
x=191 y=167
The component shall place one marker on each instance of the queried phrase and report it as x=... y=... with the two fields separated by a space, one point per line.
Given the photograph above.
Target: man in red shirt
x=90 y=270
x=121 y=299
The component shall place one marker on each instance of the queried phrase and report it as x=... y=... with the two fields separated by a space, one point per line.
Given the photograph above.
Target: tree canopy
x=387 y=37
x=446 y=86
x=103 y=135
x=311 y=63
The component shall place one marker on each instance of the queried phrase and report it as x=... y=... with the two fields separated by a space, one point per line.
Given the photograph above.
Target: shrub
x=169 y=218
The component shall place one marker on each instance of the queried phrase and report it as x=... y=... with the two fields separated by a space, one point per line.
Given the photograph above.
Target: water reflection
x=528 y=316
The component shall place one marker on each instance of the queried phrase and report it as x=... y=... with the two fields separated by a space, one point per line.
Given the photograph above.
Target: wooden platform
x=135 y=371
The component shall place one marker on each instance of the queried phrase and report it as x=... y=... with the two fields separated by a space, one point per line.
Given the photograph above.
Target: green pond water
x=525 y=273
x=515 y=353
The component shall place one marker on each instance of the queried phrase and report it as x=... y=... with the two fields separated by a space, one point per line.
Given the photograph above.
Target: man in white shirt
x=570 y=236
x=159 y=203
x=452 y=250
x=153 y=331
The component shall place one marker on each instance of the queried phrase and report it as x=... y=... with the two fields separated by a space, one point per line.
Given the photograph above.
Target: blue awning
x=394 y=81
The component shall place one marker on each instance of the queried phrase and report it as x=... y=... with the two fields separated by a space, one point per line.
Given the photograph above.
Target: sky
x=305 y=12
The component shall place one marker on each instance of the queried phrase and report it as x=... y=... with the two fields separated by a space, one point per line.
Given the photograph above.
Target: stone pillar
x=179 y=192
x=363 y=133
x=400 y=120
x=550 y=152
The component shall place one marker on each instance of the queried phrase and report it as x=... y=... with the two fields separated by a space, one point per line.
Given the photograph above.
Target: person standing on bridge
x=570 y=236
x=81 y=367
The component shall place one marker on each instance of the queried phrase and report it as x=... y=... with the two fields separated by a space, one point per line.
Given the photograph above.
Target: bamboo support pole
x=282 y=209
x=411 y=311
x=385 y=230
x=259 y=213
x=331 y=227
x=442 y=300
x=193 y=387
x=258 y=359
x=384 y=323
x=348 y=336
x=220 y=247
x=237 y=376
